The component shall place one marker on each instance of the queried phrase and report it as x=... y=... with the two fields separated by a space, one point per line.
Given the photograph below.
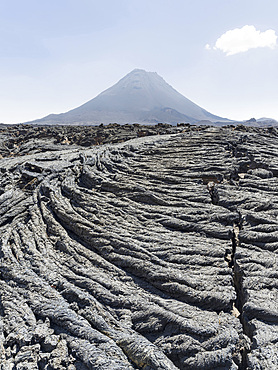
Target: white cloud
x=243 y=39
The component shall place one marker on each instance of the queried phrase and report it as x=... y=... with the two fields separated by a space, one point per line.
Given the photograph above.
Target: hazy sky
x=55 y=55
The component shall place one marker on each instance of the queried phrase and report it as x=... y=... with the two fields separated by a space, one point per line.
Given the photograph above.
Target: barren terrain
x=132 y=247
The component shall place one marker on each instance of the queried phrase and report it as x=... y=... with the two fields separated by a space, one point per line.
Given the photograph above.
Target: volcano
x=139 y=97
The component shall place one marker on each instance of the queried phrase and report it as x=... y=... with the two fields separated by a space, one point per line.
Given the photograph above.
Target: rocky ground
x=130 y=247
x=25 y=139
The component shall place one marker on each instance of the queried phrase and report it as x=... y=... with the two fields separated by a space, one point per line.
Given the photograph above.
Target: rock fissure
x=238 y=303
x=229 y=257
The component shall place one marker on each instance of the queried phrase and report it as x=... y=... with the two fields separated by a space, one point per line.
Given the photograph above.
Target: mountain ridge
x=138 y=97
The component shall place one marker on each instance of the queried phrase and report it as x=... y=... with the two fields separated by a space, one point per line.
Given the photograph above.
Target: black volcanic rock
x=156 y=253
x=139 y=97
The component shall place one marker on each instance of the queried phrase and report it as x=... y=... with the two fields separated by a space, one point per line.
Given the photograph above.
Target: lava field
x=138 y=247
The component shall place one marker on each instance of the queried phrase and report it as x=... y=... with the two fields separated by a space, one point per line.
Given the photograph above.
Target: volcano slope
x=156 y=253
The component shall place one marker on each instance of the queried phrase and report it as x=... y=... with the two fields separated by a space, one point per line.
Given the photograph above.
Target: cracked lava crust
x=156 y=253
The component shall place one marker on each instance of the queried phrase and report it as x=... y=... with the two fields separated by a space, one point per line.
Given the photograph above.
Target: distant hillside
x=139 y=97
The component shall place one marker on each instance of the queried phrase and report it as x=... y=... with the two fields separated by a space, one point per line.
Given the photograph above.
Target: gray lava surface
x=151 y=252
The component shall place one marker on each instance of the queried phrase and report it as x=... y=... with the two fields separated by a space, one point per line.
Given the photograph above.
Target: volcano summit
x=139 y=97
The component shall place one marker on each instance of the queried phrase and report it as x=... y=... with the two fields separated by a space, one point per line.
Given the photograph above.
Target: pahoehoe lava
x=159 y=252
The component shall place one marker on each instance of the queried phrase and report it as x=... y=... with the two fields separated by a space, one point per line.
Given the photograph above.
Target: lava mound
x=156 y=253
